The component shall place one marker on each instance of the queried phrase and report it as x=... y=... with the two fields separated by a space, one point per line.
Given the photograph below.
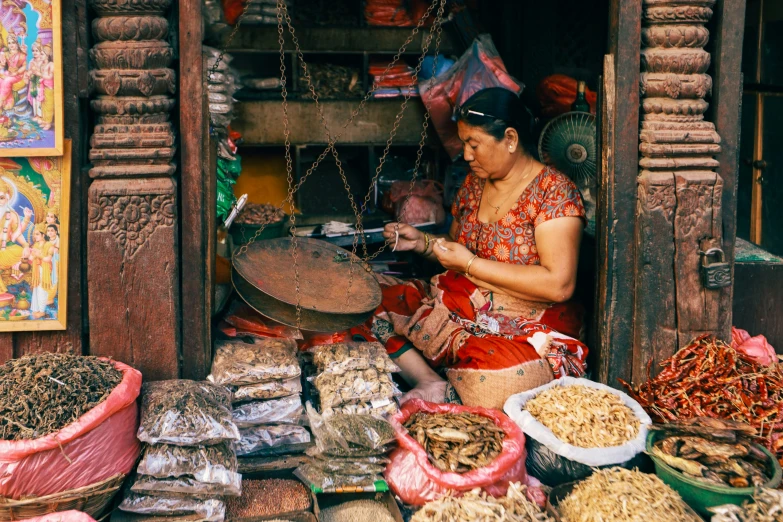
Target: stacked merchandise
x=260 y=12
x=222 y=83
x=188 y=465
x=264 y=377
x=395 y=13
x=398 y=81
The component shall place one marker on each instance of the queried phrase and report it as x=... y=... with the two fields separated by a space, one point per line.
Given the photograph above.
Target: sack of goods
x=451 y=448
x=350 y=454
x=189 y=464
x=265 y=379
x=355 y=378
x=57 y=405
x=574 y=426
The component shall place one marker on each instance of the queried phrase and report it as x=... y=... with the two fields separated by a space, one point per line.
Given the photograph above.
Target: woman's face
x=13 y=46
x=488 y=158
x=38 y=236
x=36 y=52
x=51 y=219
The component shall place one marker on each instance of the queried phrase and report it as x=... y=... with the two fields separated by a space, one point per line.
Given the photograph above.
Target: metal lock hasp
x=715 y=271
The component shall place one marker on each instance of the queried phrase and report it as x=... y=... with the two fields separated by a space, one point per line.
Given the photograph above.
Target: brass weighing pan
x=264 y=277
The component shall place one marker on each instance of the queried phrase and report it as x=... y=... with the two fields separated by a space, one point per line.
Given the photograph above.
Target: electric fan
x=568 y=144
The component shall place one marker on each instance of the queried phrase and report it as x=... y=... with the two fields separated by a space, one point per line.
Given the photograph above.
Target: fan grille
x=568 y=144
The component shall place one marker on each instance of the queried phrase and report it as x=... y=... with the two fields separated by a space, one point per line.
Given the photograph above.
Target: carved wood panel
x=132 y=237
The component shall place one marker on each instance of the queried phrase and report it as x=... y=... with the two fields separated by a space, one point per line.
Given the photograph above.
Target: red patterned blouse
x=512 y=238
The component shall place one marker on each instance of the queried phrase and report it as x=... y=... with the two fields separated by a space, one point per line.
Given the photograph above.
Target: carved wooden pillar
x=679 y=201
x=132 y=241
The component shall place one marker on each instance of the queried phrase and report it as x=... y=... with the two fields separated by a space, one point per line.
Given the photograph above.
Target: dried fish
x=585 y=417
x=343 y=357
x=767 y=506
x=268 y=359
x=456 y=442
x=621 y=495
x=354 y=386
x=477 y=506
x=212 y=464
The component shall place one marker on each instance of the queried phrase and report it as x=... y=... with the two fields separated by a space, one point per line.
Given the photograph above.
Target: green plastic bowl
x=241 y=233
x=702 y=495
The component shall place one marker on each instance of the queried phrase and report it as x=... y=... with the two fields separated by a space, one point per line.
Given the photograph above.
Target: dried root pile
x=41 y=394
x=585 y=417
x=456 y=442
x=621 y=495
x=476 y=506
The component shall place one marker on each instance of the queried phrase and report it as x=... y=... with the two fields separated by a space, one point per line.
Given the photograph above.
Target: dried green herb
x=41 y=394
x=186 y=413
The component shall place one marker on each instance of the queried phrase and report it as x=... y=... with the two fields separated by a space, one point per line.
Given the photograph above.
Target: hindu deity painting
x=31 y=119
x=34 y=203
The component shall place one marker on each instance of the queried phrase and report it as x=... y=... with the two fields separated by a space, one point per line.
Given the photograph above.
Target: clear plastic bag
x=287 y=410
x=382 y=408
x=210 y=464
x=367 y=466
x=342 y=357
x=186 y=413
x=267 y=390
x=354 y=452
x=262 y=438
x=239 y=363
x=210 y=510
x=324 y=481
x=354 y=386
x=344 y=432
x=186 y=485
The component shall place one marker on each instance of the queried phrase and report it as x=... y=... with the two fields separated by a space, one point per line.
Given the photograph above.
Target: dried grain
x=357 y=511
x=269 y=497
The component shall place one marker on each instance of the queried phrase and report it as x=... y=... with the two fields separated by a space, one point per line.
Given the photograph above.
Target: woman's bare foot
x=430 y=391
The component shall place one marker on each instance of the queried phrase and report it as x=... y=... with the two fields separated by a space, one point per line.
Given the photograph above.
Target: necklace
x=497 y=207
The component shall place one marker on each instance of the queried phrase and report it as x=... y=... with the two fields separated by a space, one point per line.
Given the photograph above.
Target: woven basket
x=92 y=499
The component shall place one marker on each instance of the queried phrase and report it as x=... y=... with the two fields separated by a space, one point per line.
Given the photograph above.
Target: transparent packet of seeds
x=344 y=432
x=353 y=387
x=288 y=410
x=209 y=464
x=343 y=357
x=267 y=390
x=265 y=439
x=186 y=485
x=186 y=413
x=239 y=363
x=210 y=510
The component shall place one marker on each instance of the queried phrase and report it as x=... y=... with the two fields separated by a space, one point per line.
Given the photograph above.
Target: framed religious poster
x=34 y=214
x=31 y=82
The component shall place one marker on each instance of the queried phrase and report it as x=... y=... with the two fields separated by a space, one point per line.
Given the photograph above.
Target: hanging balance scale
x=307 y=283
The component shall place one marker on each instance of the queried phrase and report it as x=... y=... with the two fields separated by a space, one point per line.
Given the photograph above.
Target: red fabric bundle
x=556 y=94
x=392 y=13
x=756 y=348
x=401 y=75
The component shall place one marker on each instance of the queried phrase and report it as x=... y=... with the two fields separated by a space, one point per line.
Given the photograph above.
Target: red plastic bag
x=311 y=340
x=479 y=68
x=100 y=444
x=756 y=348
x=556 y=94
x=411 y=476
x=62 y=516
x=248 y=322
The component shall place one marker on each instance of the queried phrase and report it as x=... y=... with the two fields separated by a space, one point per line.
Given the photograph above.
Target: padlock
x=714 y=274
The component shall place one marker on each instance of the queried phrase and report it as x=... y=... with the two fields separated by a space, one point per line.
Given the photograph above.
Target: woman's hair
x=496 y=109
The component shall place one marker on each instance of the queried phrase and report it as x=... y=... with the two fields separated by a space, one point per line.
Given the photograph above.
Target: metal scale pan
x=264 y=278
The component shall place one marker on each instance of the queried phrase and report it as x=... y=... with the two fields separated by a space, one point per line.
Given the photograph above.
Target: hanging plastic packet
x=271 y=440
x=287 y=410
x=210 y=464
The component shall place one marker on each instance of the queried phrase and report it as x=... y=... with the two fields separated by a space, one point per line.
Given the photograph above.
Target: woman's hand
x=410 y=238
x=452 y=255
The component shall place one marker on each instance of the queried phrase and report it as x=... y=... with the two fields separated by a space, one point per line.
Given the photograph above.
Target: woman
x=41 y=272
x=492 y=319
x=17 y=64
x=53 y=235
x=40 y=78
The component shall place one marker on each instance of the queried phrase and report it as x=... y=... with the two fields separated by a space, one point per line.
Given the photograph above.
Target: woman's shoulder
x=550 y=177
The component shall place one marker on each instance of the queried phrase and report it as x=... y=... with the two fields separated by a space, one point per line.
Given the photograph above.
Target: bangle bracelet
x=426 y=243
x=467 y=268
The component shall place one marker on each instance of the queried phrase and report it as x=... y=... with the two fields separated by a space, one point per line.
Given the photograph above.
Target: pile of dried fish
x=239 y=363
x=767 y=506
x=477 y=506
x=708 y=378
x=353 y=387
x=585 y=417
x=710 y=451
x=211 y=464
x=41 y=394
x=456 y=442
x=343 y=357
x=621 y=495
x=333 y=81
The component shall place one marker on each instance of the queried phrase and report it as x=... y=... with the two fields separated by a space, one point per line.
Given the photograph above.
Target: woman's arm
x=412 y=239
x=553 y=280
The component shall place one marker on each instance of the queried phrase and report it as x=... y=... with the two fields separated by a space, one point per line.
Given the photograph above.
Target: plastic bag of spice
x=342 y=431
x=267 y=390
x=263 y=439
x=354 y=386
x=412 y=476
x=186 y=413
x=287 y=410
x=209 y=464
x=209 y=510
x=239 y=363
x=186 y=485
x=325 y=481
x=343 y=357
